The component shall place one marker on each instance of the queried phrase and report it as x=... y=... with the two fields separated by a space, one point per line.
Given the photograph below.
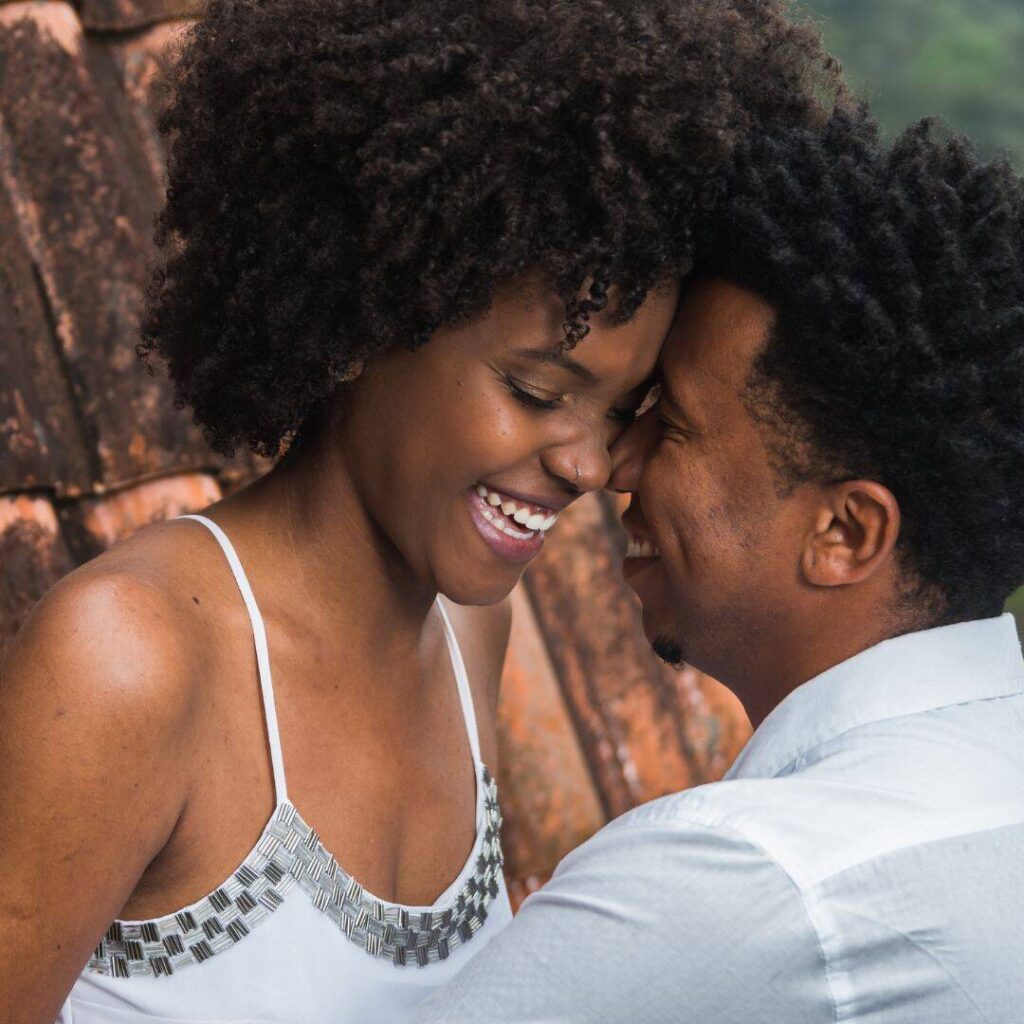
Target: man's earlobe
x=853 y=534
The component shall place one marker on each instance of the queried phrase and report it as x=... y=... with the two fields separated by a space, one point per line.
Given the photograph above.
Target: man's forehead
x=719 y=329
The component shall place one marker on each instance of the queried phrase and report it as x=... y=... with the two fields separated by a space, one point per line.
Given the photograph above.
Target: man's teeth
x=507 y=512
x=639 y=547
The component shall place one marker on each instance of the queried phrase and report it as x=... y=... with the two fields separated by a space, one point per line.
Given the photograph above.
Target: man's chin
x=668 y=650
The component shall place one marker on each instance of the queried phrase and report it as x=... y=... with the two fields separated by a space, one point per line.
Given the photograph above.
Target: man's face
x=724 y=579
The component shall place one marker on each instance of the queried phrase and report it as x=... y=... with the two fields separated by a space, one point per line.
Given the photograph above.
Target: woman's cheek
x=504 y=433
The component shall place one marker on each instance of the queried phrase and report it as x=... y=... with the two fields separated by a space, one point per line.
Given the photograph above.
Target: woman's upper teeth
x=533 y=517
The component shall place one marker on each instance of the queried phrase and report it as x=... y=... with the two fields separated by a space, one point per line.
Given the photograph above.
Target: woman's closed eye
x=532 y=398
x=523 y=394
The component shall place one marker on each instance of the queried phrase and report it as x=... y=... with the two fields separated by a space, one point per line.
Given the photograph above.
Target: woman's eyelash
x=532 y=401
x=527 y=398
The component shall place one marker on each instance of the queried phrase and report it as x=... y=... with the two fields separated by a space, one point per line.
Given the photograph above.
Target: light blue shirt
x=862 y=861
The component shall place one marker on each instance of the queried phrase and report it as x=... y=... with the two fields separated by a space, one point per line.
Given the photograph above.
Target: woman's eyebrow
x=556 y=357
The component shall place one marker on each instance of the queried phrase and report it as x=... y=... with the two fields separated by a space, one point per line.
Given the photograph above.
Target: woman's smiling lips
x=511 y=527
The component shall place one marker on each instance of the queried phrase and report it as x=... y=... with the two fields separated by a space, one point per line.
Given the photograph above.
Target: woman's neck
x=318 y=549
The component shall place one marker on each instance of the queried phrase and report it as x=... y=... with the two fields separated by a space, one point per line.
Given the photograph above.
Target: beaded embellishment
x=290 y=853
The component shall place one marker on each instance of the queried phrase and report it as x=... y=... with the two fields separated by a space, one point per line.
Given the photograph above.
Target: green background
x=961 y=61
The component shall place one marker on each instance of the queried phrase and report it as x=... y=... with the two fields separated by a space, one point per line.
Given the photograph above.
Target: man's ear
x=854 y=531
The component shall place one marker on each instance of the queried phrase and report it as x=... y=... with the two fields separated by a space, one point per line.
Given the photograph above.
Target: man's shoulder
x=720 y=825
x=739 y=807
x=887 y=787
x=713 y=805
x=806 y=826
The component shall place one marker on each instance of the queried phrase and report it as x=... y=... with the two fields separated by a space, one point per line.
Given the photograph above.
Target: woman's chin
x=485 y=555
x=479 y=592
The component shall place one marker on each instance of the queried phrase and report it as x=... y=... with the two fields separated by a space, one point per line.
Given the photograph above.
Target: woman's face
x=465 y=451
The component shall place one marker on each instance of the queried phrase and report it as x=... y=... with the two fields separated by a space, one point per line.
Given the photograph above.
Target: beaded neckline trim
x=290 y=853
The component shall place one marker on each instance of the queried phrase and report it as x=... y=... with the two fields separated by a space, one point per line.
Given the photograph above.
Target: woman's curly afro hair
x=897 y=354
x=346 y=176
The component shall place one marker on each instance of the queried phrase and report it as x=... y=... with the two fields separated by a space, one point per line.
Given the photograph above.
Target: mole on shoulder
x=196 y=599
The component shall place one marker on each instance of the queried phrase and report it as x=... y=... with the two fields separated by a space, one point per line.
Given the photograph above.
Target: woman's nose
x=629 y=452
x=583 y=463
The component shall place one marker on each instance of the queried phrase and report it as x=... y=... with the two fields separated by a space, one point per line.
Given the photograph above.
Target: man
x=827 y=515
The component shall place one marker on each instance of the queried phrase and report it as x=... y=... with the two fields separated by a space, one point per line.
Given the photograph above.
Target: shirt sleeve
x=653 y=920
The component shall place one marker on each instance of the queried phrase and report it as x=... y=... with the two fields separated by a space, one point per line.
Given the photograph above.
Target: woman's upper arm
x=95 y=725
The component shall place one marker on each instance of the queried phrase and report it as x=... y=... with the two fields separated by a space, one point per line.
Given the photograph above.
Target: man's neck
x=812 y=648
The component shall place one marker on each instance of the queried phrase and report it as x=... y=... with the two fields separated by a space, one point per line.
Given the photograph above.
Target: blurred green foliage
x=962 y=60
x=1016 y=605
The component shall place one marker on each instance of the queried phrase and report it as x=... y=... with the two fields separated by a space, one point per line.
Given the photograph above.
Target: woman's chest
x=297 y=967
x=395 y=803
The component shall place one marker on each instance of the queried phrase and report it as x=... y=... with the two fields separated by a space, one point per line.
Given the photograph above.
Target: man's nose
x=629 y=452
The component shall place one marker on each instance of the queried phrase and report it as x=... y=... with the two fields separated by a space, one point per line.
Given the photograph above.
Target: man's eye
x=528 y=398
x=665 y=428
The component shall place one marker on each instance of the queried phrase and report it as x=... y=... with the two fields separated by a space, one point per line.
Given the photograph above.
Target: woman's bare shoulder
x=116 y=632
x=98 y=730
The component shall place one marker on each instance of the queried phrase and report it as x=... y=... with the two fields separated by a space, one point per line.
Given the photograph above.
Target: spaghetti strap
x=465 y=694
x=262 y=654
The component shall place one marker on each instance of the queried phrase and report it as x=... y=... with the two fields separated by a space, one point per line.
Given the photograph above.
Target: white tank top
x=290 y=936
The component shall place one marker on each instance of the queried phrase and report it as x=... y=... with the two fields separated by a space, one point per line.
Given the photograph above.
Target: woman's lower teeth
x=513 y=517
x=501 y=522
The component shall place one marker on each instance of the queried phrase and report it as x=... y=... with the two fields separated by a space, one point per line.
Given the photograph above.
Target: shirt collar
x=906 y=675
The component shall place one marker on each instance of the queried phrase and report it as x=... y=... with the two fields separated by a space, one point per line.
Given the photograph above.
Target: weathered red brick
x=95 y=523
x=123 y=15
x=41 y=445
x=130 y=71
x=84 y=210
x=33 y=556
x=549 y=801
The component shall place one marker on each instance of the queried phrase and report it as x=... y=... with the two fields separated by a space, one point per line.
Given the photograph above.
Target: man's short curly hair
x=897 y=275
x=346 y=176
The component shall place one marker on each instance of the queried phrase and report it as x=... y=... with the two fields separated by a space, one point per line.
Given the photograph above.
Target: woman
x=428 y=250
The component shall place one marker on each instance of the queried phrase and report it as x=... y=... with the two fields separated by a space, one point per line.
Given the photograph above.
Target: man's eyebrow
x=556 y=357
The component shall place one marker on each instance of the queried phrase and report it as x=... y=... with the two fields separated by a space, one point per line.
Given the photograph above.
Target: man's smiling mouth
x=641 y=547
